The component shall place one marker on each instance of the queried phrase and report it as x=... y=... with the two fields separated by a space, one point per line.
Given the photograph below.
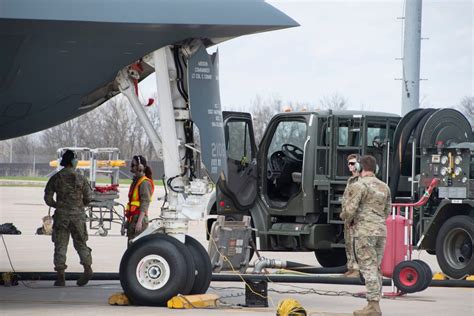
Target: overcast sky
x=350 y=47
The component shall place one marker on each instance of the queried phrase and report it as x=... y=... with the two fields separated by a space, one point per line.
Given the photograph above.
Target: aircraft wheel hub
x=153 y=272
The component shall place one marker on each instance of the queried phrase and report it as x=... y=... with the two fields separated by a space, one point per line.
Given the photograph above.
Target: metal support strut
x=127 y=88
x=184 y=198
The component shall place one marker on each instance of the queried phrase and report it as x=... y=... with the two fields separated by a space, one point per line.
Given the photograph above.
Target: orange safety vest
x=133 y=205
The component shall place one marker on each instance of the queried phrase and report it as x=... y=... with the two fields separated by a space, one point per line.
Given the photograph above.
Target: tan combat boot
x=60 y=278
x=372 y=309
x=86 y=276
x=352 y=274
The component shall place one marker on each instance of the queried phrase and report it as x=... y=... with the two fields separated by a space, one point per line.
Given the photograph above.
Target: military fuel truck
x=292 y=185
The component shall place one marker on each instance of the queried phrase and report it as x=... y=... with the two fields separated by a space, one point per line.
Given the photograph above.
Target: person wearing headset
x=366 y=208
x=73 y=193
x=139 y=197
x=352 y=266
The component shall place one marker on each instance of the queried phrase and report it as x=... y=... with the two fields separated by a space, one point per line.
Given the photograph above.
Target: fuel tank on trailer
x=395 y=246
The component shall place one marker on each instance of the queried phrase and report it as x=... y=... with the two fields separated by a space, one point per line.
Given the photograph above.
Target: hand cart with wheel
x=104 y=210
x=408 y=276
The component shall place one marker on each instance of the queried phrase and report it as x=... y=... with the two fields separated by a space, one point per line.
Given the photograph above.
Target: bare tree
x=58 y=136
x=25 y=148
x=149 y=151
x=466 y=106
x=297 y=106
x=6 y=150
x=113 y=124
x=262 y=111
x=335 y=102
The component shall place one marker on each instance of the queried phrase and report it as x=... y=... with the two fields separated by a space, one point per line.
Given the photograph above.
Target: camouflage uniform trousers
x=369 y=252
x=131 y=227
x=74 y=225
x=348 y=239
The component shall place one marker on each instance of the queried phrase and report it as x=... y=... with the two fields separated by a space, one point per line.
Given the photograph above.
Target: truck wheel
x=428 y=274
x=329 y=258
x=156 y=268
x=409 y=276
x=203 y=273
x=454 y=247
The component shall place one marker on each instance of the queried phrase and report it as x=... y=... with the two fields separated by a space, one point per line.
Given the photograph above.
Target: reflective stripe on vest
x=133 y=206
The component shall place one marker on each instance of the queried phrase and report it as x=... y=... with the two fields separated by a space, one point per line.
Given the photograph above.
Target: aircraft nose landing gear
x=162 y=261
x=156 y=268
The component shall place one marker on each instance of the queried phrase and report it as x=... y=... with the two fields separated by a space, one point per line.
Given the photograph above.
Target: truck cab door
x=286 y=158
x=237 y=193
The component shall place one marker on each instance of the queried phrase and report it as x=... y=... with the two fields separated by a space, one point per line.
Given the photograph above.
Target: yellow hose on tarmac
x=290 y=307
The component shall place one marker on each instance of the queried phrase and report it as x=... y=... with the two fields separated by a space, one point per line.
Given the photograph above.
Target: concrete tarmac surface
x=24 y=207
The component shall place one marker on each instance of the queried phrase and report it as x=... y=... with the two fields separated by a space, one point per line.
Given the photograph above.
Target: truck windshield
x=377 y=133
x=288 y=132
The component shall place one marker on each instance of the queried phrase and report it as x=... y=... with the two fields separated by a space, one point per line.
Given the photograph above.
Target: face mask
x=74 y=163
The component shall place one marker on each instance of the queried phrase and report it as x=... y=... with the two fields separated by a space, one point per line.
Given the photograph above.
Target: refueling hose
x=417 y=136
x=219 y=277
x=401 y=149
x=265 y=263
x=295 y=266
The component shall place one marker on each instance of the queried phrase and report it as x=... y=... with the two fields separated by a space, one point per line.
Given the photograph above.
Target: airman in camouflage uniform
x=352 y=266
x=367 y=208
x=73 y=192
x=140 y=193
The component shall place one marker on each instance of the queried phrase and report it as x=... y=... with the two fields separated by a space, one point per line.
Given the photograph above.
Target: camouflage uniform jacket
x=72 y=190
x=351 y=180
x=367 y=206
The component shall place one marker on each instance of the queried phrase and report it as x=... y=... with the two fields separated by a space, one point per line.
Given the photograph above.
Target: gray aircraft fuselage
x=59 y=58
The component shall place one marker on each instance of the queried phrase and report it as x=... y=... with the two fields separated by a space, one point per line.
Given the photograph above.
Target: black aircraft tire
x=165 y=266
x=409 y=276
x=428 y=274
x=454 y=247
x=202 y=264
x=330 y=258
